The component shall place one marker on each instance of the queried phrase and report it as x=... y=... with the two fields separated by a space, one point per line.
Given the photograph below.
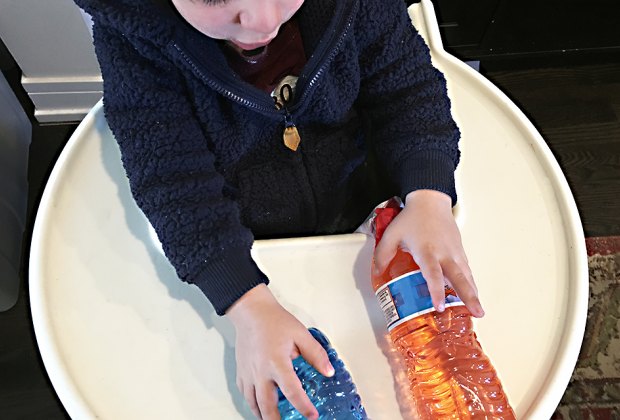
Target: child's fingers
x=463 y=283
x=433 y=274
x=315 y=354
x=249 y=394
x=267 y=401
x=293 y=391
x=384 y=252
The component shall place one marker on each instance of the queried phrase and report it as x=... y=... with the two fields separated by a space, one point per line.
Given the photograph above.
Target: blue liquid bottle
x=335 y=398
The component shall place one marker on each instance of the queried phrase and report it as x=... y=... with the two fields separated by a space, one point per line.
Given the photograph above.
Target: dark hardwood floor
x=576 y=108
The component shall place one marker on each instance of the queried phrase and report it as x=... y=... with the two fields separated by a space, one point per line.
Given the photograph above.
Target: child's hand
x=268 y=339
x=426 y=228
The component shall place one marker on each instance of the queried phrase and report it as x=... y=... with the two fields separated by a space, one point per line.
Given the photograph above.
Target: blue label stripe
x=406 y=297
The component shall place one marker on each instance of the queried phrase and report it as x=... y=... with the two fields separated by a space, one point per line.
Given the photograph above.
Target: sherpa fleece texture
x=203 y=150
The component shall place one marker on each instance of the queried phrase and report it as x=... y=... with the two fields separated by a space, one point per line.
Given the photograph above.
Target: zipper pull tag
x=291 y=135
x=291 y=138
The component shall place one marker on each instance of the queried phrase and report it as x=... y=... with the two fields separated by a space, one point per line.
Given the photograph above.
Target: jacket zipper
x=290 y=135
x=221 y=89
x=309 y=86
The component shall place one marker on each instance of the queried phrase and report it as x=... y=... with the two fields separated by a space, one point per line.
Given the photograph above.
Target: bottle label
x=407 y=296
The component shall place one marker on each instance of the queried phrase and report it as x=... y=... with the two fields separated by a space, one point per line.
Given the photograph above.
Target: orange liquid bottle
x=450 y=376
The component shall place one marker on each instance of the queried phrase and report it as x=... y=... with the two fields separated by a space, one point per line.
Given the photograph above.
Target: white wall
x=52 y=45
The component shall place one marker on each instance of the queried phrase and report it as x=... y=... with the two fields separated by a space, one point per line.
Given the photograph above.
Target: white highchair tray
x=122 y=338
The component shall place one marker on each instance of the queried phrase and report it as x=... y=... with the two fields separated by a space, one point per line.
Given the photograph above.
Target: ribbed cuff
x=430 y=169
x=227 y=278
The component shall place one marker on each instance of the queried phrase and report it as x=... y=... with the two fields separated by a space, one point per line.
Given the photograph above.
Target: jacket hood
x=154 y=20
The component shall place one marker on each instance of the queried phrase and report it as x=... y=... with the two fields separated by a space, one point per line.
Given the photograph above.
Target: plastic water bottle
x=450 y=376
x=335 y=397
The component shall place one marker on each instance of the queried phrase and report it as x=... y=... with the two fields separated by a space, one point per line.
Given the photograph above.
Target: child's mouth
x=249 y=47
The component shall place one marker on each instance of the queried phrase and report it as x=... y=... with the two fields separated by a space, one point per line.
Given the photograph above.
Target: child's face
x=248 y=24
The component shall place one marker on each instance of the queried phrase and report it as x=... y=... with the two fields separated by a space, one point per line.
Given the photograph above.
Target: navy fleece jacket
x=203 y=150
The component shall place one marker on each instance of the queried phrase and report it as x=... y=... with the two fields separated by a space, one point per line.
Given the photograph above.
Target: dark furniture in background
x=511 y=33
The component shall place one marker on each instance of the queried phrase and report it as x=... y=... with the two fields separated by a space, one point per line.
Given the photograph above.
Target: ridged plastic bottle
x=450 y=376
x=335 y=398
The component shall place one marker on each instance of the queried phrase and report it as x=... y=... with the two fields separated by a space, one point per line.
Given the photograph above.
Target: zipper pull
x=291 y=135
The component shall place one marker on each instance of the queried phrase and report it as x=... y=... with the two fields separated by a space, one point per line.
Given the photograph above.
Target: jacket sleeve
x=171 y=170
x=406 y=101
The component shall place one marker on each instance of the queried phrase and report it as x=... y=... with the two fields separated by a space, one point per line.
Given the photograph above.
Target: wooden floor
x=577 y=110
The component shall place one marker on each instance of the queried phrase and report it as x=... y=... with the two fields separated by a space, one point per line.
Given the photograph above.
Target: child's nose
x=262 y=18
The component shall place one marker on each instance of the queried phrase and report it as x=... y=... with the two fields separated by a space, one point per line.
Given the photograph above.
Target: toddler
x=244 y=119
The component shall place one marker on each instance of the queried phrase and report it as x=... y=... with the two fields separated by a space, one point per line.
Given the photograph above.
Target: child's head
x=249 y=24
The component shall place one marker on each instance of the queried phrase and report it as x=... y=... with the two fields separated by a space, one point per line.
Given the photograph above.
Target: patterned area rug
x=594 y=390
